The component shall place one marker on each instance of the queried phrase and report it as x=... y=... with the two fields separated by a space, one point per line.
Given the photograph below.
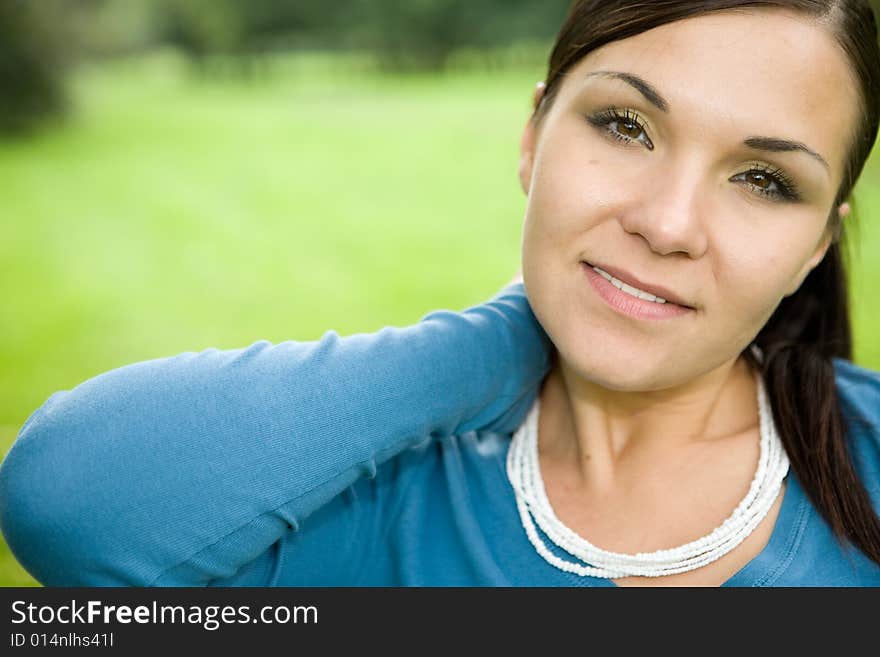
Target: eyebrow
x=758 y=143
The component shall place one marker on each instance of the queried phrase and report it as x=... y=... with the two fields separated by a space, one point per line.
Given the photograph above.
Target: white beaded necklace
x=524 y=473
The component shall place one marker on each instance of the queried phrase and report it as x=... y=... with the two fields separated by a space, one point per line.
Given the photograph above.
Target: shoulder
x=435 y=465
x=445 y=474
x=859 y=390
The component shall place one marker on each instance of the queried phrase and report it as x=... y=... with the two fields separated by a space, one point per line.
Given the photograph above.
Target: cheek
x=578 y=180
x=752 y=282
x=754 y=253
x=569 y=197
x=748 y=287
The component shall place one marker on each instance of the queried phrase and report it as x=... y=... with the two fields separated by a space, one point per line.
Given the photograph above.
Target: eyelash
x=786 y=187
x=606 y=117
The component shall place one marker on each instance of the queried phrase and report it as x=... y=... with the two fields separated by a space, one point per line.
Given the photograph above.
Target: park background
x=184 y=174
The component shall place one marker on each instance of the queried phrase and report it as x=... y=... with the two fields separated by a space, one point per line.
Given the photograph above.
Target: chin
x=609 y=372
x=618 y=367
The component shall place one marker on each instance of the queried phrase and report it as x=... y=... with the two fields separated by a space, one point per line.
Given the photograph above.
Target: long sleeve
x=198 y=463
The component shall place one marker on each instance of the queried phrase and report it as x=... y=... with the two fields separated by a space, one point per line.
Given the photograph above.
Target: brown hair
x=812 y=326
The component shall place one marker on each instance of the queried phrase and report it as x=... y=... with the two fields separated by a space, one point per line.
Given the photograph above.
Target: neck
x=609 y=436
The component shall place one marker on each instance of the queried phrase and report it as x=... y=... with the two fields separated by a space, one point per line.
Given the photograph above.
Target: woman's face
x=684 y=197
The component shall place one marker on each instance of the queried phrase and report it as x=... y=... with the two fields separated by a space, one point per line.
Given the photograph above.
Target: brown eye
x=759 y=179
x=771 y=183
x=624 y=126
x=629 y=129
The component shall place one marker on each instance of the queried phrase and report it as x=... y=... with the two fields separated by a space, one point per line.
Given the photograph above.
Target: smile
x=628 y=300
x=629 y=289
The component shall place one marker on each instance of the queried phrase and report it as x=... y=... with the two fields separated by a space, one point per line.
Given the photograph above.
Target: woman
x=672 y=404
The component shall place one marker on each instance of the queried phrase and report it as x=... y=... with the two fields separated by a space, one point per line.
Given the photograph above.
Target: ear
x=526 y=156
x=527 y=143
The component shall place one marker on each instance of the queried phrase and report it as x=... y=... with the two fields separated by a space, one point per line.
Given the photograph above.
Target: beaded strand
x=524 y=473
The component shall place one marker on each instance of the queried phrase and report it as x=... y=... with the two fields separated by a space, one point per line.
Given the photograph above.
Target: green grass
x=171 y=214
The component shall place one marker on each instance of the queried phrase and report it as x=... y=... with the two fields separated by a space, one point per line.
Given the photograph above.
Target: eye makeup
x=625 y=125
x=626 y=118
x=785 y=187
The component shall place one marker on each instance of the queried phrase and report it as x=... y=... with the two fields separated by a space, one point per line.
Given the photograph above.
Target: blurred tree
x=299 y=23
x=108 y=28
x=37 y=37
x=423 y=34
x=202 y=27
x=403 y=34
x=33 y=52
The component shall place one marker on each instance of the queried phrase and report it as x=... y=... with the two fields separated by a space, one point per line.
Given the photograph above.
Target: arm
x=198 y=463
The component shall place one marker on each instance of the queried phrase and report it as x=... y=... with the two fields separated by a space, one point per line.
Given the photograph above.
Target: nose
x=666 y=211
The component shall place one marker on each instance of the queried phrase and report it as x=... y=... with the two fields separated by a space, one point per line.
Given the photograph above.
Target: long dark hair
x=812 y=326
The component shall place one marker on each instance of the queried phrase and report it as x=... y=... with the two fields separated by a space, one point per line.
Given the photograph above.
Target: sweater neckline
x=765 y=567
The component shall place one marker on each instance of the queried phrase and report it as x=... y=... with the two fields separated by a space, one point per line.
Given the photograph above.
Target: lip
x=629 y=279
x=629 y=305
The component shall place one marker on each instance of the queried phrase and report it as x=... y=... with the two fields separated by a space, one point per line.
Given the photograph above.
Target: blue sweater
x=370 y=459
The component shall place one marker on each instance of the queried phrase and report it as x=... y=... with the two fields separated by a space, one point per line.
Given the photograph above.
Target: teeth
x=629 y=289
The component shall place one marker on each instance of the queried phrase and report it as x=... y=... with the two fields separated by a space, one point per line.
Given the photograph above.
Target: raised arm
x=201 y=461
